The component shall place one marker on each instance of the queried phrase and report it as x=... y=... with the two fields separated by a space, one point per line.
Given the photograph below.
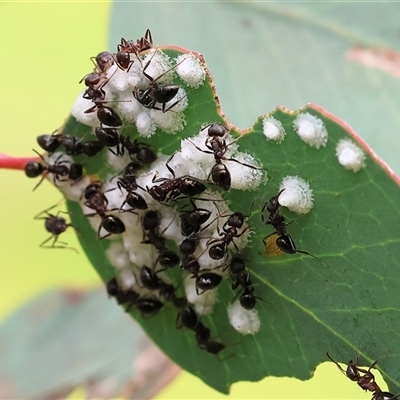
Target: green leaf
x=264 y=54
x=338 y=304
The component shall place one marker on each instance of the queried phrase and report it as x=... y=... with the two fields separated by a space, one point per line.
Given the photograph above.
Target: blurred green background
x=45 y=51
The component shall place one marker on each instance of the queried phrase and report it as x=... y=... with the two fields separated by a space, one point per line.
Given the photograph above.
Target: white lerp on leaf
x=190 y=70
x=311 y=130
x=244 y=321
x=350 y=155
x=273 y=129
x=297 y=196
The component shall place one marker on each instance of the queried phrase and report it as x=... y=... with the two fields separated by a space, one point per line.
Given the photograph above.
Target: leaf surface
x=338 y=304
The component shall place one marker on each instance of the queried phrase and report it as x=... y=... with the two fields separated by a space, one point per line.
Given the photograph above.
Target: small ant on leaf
x=56 y=225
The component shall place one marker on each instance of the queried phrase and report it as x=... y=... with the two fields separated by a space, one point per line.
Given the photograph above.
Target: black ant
x=56 y=225
x=128 y=182
x=73 y=145
x=94 y=82
x=189 y=262
x=136 y=47
x=284 y=241
x=157 y=93
x=151 y=281
x=191 y=221
x=229 y=232
x=109 y=137
x=364 y=378
x=97 y=201
x=207 y=281
x=60 y=169
x=102 y=61
x=146 y=306
x=203 y=338
x=122 y=297
x=172 y=188
x=128 y=47
x=186 y=317
x=142 y=151
x=241 y=277
x=217 y=146
x=151 y=224
x=106 y=115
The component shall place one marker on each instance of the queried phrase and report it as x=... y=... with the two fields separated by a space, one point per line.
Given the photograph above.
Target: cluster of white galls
x=126 y=251
x=121 y=84
x=312 y=131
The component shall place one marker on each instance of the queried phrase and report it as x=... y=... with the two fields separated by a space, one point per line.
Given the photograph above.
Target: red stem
x=11 y=162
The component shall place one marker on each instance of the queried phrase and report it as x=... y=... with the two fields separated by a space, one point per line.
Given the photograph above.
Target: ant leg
x=376 y=361
x=44 y=176
x=148 y=38
x=309 y=254
x=198 y=148
x=91 y=109
x=337 y=364
x=53 y=245
x=167 y=164
x=266 y=237
x=166 y=72
x=243 y=231
x=242 y=163
x=150 y=78
x=47 y=240
x=48 y=209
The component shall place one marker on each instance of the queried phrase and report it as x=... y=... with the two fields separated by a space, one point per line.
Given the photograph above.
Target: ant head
x=92 y=79
x=273 y=203
x=157 y=193
x=33 y=169
x=217 y=129
x=168 y=259
x=236 y=220
x=132 y=168
x=92 y=189
x=151 y=220
x=145 y=155
x=103 y=60
x=236 y=265
x=76 y=171
x=55 y=225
